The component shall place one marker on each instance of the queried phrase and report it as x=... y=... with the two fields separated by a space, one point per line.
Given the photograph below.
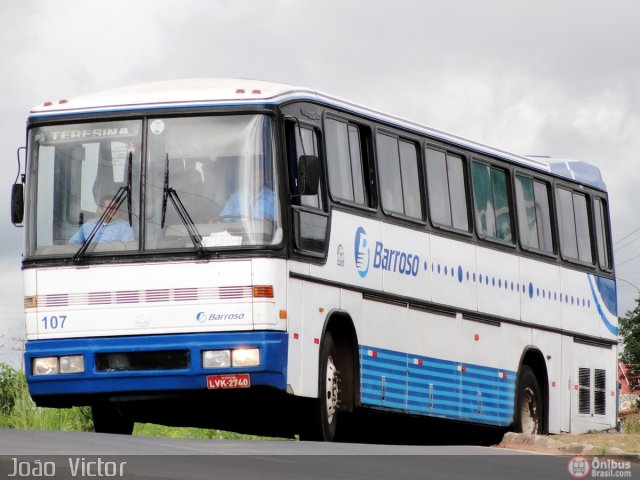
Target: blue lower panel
x=434 y=387
x=271 y=372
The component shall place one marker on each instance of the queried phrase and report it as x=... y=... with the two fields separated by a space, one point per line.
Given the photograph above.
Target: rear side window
x=601 y=222
x=573 y=222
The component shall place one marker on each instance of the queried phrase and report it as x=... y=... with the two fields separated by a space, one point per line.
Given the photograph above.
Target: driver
x=112 y=230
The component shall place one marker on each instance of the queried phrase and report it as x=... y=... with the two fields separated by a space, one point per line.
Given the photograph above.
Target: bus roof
x=230 y=91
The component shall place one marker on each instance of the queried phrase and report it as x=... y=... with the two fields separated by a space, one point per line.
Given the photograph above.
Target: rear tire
x=107 y=418
x=529 y=414
x=321 y=414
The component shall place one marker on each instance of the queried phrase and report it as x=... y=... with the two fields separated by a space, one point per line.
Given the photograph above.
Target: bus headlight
x=216 y=359
x=245 y=357
x=45 y=366
x=72 y=364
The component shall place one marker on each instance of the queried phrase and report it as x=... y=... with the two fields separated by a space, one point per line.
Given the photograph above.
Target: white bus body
x=404 y=314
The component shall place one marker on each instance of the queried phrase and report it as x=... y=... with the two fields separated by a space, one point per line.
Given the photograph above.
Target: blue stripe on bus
x=605 y=291
x=435 y=387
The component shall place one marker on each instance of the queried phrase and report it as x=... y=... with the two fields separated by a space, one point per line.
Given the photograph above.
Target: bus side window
x=601 y=216
x=301 y=141
x=491 y=202
x=310 y=219
x=348 y=169
x=399 y=176
x=446 y=190
x=573 y=221
x=534 y=214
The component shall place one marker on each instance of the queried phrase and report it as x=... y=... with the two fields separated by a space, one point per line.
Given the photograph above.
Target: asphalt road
x=34 y=454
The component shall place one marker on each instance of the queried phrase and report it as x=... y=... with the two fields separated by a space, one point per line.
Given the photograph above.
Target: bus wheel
x=321 y=423
x=529 y=414
x=330 y=393
x=107 y=418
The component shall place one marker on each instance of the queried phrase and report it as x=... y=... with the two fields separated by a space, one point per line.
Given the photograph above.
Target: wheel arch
x=340 y=325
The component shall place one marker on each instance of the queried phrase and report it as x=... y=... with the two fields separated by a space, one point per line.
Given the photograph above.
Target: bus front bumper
x=154 y=363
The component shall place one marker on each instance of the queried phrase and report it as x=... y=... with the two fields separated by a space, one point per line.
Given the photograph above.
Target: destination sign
x=73 y=133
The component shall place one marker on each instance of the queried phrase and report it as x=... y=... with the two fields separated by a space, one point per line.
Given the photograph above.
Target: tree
x=629 y=331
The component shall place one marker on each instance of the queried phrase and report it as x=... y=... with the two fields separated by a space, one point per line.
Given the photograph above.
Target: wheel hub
x=529 y=411
x=331 y=389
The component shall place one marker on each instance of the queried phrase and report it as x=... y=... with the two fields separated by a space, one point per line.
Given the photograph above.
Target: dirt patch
x=629 y=442
x=613 y=443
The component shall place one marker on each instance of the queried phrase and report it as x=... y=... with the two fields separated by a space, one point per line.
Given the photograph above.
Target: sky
x=546 y=77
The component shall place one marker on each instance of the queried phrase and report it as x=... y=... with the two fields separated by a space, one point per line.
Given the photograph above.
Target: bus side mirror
x=308 y=175
x=17 y=203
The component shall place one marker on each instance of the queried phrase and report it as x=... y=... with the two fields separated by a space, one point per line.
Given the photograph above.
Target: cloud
x=543 y=76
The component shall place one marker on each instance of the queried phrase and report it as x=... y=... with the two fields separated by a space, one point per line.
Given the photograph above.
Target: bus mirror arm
x=308 y=175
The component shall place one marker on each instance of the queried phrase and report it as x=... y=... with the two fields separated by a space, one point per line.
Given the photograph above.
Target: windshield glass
x=210 y=183
x=75 y=172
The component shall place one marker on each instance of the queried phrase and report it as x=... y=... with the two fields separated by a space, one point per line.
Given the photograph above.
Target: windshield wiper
x=129 y=195
x=123 y=193
x=169 y=193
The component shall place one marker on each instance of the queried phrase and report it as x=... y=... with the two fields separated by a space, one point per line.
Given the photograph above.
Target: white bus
x=260 y=257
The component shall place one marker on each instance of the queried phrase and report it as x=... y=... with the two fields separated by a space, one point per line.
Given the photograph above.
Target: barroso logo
x=361 y=252
x=203 y=317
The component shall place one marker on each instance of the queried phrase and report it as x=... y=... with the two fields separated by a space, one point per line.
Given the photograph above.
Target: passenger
x=112 y=230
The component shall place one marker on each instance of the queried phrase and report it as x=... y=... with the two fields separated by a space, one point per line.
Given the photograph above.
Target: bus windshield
x=74 y=172
x=208 y=183
x=221 y=170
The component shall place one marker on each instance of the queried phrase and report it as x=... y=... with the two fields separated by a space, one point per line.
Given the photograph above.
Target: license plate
x=217 y=382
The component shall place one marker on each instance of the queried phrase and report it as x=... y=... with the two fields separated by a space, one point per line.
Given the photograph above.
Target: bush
x=17 y=410
x=630 y=420
x=12 y=383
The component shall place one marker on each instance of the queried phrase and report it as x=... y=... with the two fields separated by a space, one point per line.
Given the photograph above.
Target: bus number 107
x=53 y=322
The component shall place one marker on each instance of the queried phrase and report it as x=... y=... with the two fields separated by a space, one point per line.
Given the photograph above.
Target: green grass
x=153 y=430
x=17 y=410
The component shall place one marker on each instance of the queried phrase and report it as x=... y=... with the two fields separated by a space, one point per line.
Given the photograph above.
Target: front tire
x=529 y=412
x=322 y=420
